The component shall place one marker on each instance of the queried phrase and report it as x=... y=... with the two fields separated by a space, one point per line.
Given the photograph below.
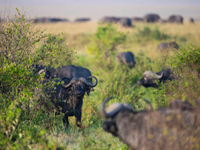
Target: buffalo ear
x=110 y=126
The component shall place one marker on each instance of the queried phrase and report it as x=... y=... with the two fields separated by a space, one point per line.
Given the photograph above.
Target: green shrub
x=186 y=67
x=187 y=57
x=54 y=52
x=105 y=42
x=24 y=117
x=148 y=34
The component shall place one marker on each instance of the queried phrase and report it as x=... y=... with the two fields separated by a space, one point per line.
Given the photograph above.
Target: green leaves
x=105 y=42
x=147 y=33
x=187 y=57
x=54 y=52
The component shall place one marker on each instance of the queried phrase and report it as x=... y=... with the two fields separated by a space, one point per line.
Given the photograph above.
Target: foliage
x=187 y=57
x=24 y=119
x=147 y=33
x=105 y=42
x=186 y=65
x=54 y=52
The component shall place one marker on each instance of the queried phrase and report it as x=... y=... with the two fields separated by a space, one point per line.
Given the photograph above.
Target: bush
x=187 y=57
x=148 y=34
x=24 y=120
x=54 y=52
x=105 y=42
x=186 y=67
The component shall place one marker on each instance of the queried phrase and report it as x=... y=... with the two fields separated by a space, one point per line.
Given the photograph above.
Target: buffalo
x=191 y=20
x=165 y=128
x=110 y=19
x=82 y=19
x=151 y=18
x=127 y=58
x=49 y=20
x=69 y=85
x=176 y=19
x=168 y=45
x=125 y=22
x=150 y=78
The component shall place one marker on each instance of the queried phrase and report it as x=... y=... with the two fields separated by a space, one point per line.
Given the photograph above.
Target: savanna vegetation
x=28 y=119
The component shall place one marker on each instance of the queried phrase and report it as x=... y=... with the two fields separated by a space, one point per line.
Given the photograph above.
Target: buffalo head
x=149 y=79
x=79 y=86
x=109 y=124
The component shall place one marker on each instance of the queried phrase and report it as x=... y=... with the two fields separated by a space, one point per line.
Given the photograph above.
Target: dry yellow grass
x=71 y=28
x=78 y=34
x=90 y=27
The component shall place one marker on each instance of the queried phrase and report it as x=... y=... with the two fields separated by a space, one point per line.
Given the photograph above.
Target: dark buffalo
x=176 y=19
x=49 y=20
x=166 y=75
x=168 y=45
x=69 y=85
x=191 y=20
x=151 y=18
x=110 y=19
x=125 y=22
x=165 y=128
x=149 y=79
x=127 y=58
x=82 y=19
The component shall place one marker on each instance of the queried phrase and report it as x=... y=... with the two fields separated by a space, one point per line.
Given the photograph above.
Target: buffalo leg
x=78 y=119
x=66 y=121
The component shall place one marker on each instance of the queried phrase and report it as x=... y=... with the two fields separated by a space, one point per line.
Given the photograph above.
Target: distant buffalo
x=168 y=45
x=49 y=20
x=176 y=19
x=176 y=127
x=82 y=20
x=126 y=22
x=191 y=20
x=110 y=19
x=127 y=58
x=151 y=18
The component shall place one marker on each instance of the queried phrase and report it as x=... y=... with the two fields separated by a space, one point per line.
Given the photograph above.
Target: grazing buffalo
x=49 y=20
x=191 y=20
x=149 y=79
x=165 y=128
x=82 y=20
x=69 y=85
x=110 y=19
x=176 y=19
x=166 y=75
x=151 y=18
x=168 y=45
x=127 y=58
x=126 y=22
